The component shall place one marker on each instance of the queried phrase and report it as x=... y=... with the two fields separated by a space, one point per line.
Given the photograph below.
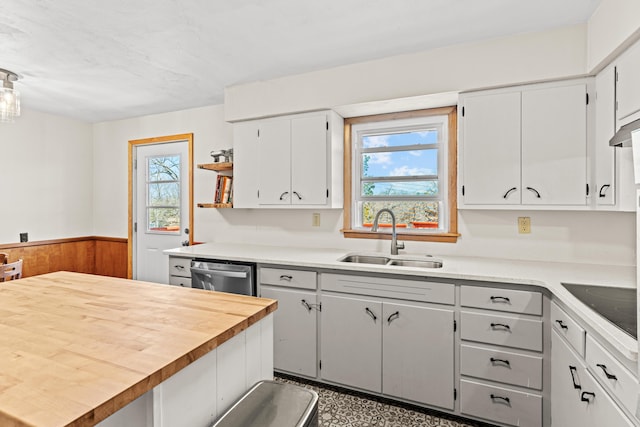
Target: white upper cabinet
x=289 y=162
x=605 y=122
x=554 y=146
x=491 y=132
x=524 y=146
x=628 y=84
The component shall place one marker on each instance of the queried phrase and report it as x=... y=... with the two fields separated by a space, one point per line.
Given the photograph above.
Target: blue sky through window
x=400 y=163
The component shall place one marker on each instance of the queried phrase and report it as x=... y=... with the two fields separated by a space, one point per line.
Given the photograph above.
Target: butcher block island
x=81 y=350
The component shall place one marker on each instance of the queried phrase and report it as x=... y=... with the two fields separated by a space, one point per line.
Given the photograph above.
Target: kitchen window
x=163 y=194
x=405 y=162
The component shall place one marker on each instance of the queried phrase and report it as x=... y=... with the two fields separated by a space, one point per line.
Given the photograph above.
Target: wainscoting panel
x=95 y=255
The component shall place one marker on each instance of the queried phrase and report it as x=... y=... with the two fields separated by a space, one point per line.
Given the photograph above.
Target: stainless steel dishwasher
x=224 y=276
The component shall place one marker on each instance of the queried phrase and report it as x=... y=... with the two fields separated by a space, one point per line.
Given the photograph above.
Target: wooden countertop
x=75 y=348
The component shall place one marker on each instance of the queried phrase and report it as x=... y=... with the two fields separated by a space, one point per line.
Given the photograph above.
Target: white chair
x=11 y=271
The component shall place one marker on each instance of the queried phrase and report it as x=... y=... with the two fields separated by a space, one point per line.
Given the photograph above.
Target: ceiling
x=97 y=60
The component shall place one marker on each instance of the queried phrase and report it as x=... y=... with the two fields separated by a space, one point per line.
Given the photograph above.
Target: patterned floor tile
x=343 y=408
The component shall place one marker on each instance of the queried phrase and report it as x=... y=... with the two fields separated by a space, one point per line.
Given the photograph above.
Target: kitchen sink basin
x=416 y=263
x=394 y=260
x=366 y=259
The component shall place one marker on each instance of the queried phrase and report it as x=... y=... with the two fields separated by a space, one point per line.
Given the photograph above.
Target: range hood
x=622 y=138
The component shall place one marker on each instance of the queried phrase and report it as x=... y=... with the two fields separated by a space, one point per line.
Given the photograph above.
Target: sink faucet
x=394 y=238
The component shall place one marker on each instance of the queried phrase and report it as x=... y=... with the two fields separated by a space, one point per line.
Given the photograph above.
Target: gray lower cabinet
x=295 y=322
x=351 y=341
x=399 y=349
x=577 y=398
x=295 y=325
x=502 y=356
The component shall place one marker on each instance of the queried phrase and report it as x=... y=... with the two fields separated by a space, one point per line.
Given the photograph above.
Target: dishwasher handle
x=221 y=273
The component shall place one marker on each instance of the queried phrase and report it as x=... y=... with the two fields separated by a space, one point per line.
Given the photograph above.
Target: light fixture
x=9 y=98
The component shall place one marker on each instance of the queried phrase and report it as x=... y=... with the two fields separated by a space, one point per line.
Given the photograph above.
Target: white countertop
x=549 y=275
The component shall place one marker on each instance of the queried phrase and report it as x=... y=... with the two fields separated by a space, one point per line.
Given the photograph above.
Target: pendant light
x=9 y=98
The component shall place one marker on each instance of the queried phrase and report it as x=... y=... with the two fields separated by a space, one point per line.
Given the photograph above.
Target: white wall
x=210 y=132
x=46 y=173
x=512 y=60
x=613 y=26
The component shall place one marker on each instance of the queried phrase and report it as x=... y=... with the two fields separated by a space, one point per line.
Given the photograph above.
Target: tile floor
x=343 y=408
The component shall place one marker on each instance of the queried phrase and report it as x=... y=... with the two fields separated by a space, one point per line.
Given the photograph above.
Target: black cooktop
x=617 y=305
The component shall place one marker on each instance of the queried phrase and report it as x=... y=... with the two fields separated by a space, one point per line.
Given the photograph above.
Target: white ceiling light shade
x=9 y=98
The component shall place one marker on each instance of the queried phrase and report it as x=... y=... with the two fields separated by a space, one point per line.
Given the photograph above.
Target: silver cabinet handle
x=509 y=192
x=371 y=314
x=603 y=190
x=283 y=194
x=297 y=195
x=500 y=299
x=501 y=325
x=286 y=277
x=607 y=374
x=221 y=273
x=533 y=190
x=306 y=305
x=179 y=267
x=393 y=317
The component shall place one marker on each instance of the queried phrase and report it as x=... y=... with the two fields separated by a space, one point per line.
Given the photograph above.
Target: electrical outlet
x=315 y=220
x=524 y=225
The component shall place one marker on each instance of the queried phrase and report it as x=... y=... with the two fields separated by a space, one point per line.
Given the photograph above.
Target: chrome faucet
x=394 y=238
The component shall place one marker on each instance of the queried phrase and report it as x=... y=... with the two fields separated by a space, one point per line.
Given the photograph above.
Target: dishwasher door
x=223 y=276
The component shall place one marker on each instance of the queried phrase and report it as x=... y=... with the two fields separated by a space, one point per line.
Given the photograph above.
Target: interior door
x=161 y=206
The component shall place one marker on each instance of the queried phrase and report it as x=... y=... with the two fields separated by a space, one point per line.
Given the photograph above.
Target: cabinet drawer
x=180 y=266
x=499 y=404
x=414 y=290
x=509 y=331
x=289 y=278
x=620 y=381
x=527 y=302
x=180 y=281
x=568 y=328
x=501 y=366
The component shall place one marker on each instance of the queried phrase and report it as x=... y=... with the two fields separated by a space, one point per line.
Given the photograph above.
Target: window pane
x=409 y=214
x=164 y=168
x=400 y=163
x=163 y=219
x=400 y=188
x=429 y=136
x=164 y=194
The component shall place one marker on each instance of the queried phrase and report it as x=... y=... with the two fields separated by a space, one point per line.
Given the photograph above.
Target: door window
x=163 y=194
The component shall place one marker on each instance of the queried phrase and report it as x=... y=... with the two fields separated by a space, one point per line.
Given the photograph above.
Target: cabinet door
x=351 y=337
x=628 y=84
x=274 y=162
x=309 y=160
x=491 y=149
x=245 y=165
x=554 y=146
x=294 y=330
x=418 y=354
x=605 y=128
x=570 y=383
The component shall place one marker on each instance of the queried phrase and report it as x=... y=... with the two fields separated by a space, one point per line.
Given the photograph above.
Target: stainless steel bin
x=273 y=404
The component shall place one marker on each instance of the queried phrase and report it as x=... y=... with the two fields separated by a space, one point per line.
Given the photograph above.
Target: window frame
x=450 y=234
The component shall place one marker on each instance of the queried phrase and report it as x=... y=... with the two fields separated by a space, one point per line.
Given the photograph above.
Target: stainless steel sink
x=366 y=259
x=416 y=263
x=394 y=260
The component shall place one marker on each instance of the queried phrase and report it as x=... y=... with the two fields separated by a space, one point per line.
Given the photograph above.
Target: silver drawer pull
x=587 y=399
x=501 y=325
x=306 y=305
x=286 y=277
x=504 y=361
x=500 y=299
x=562 y=325
x=501 y=398
x=608 y=375
x=371 y=314
x=179 y=267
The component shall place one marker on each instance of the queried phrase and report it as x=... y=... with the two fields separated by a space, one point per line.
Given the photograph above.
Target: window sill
x=421 y=237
